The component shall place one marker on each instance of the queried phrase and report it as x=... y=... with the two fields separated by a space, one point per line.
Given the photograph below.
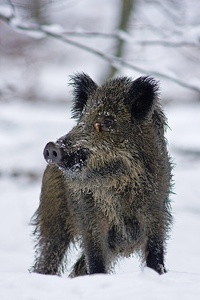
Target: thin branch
x=127 y=38
x=94 y=34
x=114 y=61
x=168 y=43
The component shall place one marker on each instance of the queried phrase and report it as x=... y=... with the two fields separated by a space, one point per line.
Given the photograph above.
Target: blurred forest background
x=43 y=42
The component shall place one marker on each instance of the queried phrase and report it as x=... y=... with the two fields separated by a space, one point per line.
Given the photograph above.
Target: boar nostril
x=46 y=153
x=52 y=153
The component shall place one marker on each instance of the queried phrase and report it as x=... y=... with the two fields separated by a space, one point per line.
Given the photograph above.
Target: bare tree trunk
x=32 y=10
x=126 y=9
x=37 y=11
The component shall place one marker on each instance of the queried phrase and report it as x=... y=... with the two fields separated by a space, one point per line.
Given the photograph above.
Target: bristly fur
x=141 y=96
x=83 y=86
x=109 y=187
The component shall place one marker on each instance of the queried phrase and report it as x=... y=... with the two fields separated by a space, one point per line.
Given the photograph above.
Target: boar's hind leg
x=52 y=223
x=155 y=255
x=79 y=268
x=96 y=265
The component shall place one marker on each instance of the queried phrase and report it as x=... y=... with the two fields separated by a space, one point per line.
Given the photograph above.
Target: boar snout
x=73 y=160
x=52 y=153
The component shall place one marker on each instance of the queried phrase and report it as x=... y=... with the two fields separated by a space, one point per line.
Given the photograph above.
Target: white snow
x=25 y=129
x=53 y=28
x=146 y=285
x=31 y=29
x=6 y=10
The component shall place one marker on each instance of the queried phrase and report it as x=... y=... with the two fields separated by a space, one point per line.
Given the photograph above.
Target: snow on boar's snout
x=65 y=157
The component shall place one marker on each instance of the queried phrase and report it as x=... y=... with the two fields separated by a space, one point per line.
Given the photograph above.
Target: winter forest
x=43 y=43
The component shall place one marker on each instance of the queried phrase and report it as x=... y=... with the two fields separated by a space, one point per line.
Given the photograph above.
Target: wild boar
x=108 y=180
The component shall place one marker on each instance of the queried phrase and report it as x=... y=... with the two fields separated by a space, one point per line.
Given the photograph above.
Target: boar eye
x=104 y=124
x=108 y=122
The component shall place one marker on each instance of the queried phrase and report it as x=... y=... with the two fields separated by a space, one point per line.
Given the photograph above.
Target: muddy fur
x=109 y=185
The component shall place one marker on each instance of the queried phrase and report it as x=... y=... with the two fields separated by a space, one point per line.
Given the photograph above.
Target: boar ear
x=83 y=86
x=142 y=95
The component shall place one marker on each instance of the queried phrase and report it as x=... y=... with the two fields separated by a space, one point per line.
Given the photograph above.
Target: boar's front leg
x=95 y=257
x=94 y=234
x=53 y=227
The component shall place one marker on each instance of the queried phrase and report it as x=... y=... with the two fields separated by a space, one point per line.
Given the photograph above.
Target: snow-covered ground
x=24 y=130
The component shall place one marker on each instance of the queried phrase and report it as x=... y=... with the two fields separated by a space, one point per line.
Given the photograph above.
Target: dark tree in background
x=125 y=15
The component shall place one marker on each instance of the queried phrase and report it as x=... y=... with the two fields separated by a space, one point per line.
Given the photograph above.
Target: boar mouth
x=75 y=161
